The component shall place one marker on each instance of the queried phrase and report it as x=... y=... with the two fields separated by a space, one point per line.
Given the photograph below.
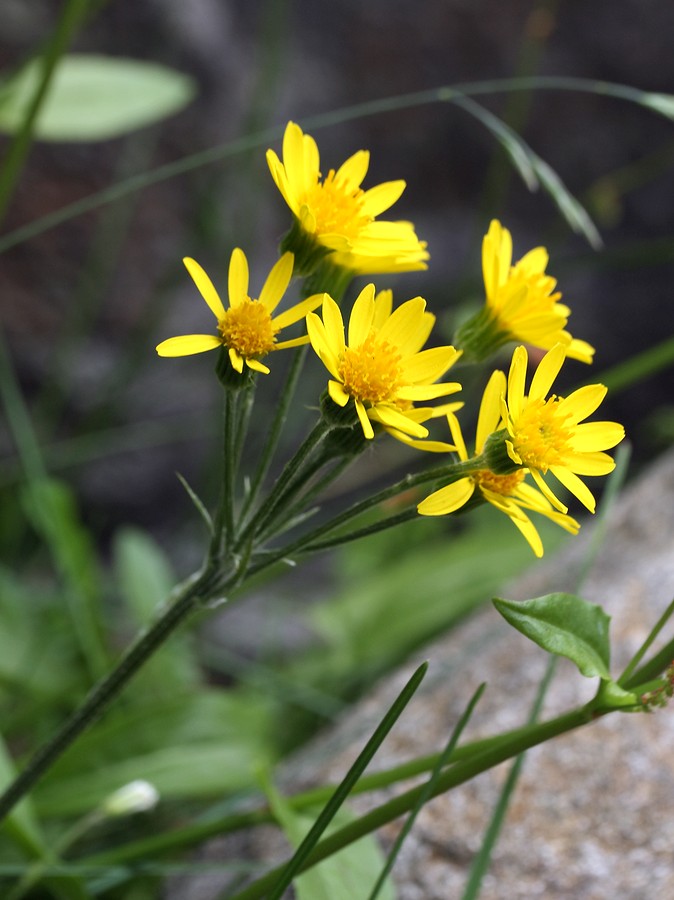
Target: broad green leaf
x=145 y=579
x=52 y=509
x=348 y=874
x=95 y=98
x=198 y=744
x=565 y=625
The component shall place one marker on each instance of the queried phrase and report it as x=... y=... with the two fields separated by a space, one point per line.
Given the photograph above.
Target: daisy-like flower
x=382 y=368
x=248 y=328
x=521 y=303
x=336 y=216
x=508 y=493
x=547 y=434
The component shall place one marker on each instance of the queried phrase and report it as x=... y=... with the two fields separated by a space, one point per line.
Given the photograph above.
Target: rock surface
x=591 y=816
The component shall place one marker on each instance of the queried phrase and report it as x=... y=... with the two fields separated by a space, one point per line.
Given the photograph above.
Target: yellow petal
x=516 y=379
x=382 y=197
x=277 y=282
x=545 y=490
x=257 y=366
x=573 y=484
x=457 y=436
x=402 y=326
x=393 y=417
x=427 y=391
x=238 y=277
x=547 y=371
x=236 y=360
x=337 y=393
x=362 y=315
x=588 y=463
x=383 y=304
x=298 y=311
x=352 y=172
x=320 y=343
x=278 y=173
x=489 y=416
x=596 y=436
x=188 y=344
x=428 y=365
x=206 y=287
x=334 y=326
x=528 y=529
x=582 y=403
x=365 y=423
x=448 y=499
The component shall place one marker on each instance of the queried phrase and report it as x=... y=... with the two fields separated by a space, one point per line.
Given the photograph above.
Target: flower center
x=499 y=484
x=336 y=209
x=371 y=373
x=541 y=437
x=248 y=329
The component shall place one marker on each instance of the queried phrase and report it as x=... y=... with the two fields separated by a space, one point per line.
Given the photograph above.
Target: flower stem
x=287 y=484
x=448 y=473
x=271 y=443
x=452 y=777
x=195 y=589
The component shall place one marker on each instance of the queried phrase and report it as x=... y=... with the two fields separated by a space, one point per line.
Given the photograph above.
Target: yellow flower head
x=336 y=214
x=548 y=435
x=382 y=368
x=521 y=303
x=247 y=329
x=508 y=493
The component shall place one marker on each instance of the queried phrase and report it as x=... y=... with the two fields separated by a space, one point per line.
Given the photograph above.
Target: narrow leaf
x=565 y=625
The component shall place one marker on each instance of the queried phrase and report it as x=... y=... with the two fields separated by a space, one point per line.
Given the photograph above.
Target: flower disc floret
x=382 y=370
x=248 y=327
x=371 y=373
x=337 y=216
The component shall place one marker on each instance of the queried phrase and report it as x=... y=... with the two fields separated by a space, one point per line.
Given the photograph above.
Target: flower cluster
x=382 y=375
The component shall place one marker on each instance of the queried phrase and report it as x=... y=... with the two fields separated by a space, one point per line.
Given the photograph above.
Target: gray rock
x=591 y=816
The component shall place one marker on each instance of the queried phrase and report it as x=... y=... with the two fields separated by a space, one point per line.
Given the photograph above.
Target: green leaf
x=565 y=625
x=145 y=580
x=348 y=874
x=95 y=98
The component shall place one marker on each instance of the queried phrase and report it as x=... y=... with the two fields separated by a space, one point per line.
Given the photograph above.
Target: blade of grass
x=444 y=94
x=344 y=789
x=425 y=795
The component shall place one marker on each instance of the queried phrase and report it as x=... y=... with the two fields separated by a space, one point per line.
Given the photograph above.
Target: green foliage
x=95 y=98
x=347 y=875
x=565 y=625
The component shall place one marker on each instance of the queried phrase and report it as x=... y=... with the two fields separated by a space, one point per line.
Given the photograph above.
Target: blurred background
x=83 y=304
x=85 y=300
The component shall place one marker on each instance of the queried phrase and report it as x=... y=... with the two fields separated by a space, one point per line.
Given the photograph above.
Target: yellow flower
x=247 y=329
x=382 y=368
x=337 y=216
x=548 y=435
x=508 y=493
x=521 y=303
